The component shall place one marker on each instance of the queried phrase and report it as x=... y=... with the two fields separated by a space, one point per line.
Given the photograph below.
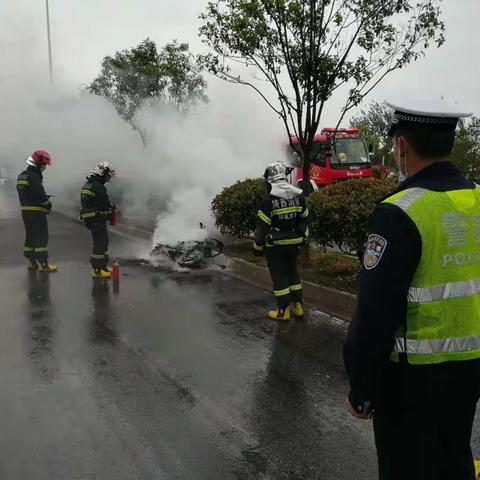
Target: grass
x=329 y=269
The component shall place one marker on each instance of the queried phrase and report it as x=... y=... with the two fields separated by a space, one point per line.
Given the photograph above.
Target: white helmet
x=276 y=172
x=103 y=169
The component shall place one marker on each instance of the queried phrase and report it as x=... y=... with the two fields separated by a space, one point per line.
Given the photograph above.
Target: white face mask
x=402 y=173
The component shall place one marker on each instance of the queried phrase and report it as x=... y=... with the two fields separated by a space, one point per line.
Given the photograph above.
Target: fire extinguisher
x=113 y=218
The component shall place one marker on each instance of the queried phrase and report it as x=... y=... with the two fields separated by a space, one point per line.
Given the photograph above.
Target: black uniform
x=423 y=414
x=96 y=210
x=281 y=229
x=35 y=206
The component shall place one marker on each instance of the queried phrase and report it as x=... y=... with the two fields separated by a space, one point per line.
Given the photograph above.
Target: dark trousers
x=36 y=236
x=423 y=423
x=99 y=257
x=282 y=263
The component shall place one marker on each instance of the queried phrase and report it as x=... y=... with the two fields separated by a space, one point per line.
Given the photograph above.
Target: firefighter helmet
x=39 y=158
x=103 y=169
x=276 y=172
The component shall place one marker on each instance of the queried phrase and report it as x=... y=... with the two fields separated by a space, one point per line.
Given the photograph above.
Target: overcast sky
x=85 y=31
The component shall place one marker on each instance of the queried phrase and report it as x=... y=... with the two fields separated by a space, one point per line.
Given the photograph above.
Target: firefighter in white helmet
x=281 y=229
x=96 y=210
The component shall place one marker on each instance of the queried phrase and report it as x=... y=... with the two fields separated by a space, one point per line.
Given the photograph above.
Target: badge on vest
x=376 y=245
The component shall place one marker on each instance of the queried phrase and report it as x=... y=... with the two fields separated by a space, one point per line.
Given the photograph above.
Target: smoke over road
x=188 y=158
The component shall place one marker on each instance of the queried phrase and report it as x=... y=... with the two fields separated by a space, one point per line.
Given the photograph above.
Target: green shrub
x=339 y=213
x=235 y=208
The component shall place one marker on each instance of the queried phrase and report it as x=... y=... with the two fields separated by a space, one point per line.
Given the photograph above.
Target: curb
x=333 y=302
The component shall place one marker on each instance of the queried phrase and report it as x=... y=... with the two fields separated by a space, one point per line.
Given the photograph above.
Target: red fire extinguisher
x=113 y=218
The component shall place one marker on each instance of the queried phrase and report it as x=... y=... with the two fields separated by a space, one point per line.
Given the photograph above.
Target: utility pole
x=49 y=44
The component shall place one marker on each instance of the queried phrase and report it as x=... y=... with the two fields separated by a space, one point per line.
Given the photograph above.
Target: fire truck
x=337 y=155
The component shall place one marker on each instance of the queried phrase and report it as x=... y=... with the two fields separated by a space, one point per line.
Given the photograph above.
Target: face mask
x=401 y=175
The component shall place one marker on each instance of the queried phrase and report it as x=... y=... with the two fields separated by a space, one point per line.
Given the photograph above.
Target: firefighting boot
x=100 y=273
x=31 y=265
x=299 y=312
x=44 y=266
x=477 y=468
x=280 y=314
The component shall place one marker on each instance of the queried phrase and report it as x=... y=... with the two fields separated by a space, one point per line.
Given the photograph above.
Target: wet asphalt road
x=176 y=376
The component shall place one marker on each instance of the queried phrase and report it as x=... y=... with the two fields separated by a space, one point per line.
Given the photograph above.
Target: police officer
x=35 y=206
x=413 y=348
x=281 y=230
x=96 y=210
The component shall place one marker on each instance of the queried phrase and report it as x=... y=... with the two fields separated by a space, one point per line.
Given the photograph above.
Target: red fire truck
x=337 y=155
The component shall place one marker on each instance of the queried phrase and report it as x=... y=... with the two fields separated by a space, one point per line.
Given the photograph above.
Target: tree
x=305 y=50
x=466 y=152
x=374 y=125
x=143 y=75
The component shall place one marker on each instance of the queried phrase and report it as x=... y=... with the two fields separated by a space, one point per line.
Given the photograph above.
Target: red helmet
x=41 y=158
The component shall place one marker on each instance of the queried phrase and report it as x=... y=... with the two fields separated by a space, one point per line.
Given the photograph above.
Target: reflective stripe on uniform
x=305 y=213
x=444 y=292
x=89 y=215
x=295 y=288
x=283 y=211
x=23 y=182
x=258 y=247
x=89 y=193
x=290 y=241
x=407 y=200
x=444 y=345
x=28 y=249
x=264 y=217
x=281 y=293
x=41 y=249
x=97 y=257
x=27 y=208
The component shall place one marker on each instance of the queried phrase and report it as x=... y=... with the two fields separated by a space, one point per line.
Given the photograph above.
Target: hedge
x=339 y=213
x=235 y=208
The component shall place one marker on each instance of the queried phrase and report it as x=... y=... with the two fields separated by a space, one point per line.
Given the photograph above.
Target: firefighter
x=96 y=210
x=281 y=230
x=35 y=206
x=413 y=348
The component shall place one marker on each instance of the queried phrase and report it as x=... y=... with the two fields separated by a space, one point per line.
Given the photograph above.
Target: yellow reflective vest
x=443 y=312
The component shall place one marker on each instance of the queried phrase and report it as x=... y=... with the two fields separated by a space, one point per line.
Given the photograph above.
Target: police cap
x=434 y=114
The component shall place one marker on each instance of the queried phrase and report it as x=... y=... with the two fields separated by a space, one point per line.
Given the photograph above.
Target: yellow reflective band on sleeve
x=23 y=182
x=29 y=208
x=305 y=213
x=97 y=257
x=41 y=249
x=28 y=249
x=258 y=247
x=295 y=288
x=290 y=241
x=264 y=217
x=281 y=293
x=89 y=215
x=89 y=193
x=283 y=211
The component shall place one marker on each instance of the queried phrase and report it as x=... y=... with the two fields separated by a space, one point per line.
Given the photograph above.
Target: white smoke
x=187 y=161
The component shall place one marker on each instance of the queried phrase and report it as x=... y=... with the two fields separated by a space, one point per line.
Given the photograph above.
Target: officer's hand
x=365 y=414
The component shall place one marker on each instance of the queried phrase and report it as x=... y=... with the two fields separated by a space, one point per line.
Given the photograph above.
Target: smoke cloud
x=171 y=181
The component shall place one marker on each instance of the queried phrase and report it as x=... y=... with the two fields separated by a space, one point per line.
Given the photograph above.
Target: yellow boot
x=46 y=267
x=31 y=265
x=280 y=314
x=99 y=273
x=299 y=312
x=477 y=468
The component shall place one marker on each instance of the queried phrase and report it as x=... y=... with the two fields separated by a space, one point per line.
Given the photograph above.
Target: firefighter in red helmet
x=35 y=206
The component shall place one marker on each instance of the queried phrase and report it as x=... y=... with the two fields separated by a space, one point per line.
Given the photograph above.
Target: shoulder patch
x=376 y=246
